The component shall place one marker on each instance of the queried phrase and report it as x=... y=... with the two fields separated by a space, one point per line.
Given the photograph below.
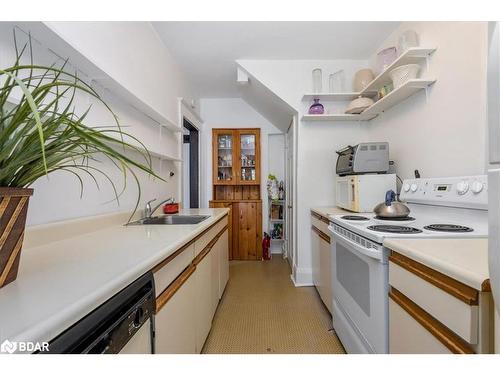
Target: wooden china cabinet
x=236 y=185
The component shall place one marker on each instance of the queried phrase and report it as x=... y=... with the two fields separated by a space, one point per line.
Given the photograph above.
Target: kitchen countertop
x=463 y=259
x=325 y=211
x=62 y=281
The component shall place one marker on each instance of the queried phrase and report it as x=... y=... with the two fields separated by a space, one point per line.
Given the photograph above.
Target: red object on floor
x=266 y=247
x=171 y=208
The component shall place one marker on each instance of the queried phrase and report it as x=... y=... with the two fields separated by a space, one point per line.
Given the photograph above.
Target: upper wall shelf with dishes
x=413 y=55
x=394 y=97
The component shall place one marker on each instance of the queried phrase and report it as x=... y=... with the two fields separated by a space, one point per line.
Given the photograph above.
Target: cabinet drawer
x=168 y=270
x=320 y=222
x=452 y=303
x=407 y=336
x=209 y=235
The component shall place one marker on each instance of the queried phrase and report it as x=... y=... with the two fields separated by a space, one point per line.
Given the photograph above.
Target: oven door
x=360 y=289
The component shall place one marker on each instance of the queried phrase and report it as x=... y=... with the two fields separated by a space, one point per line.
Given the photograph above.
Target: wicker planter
x=13 y=209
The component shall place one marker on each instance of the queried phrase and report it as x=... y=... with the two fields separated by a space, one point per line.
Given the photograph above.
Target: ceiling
x=207 y=51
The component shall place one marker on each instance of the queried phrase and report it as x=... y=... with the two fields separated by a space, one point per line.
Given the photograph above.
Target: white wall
x=58 y=197
x=276 y=154
x=442 y=135
x=316 y=141
x=233 y=113
x=445 y=134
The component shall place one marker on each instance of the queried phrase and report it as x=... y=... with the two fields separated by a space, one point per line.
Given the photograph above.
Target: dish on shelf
x=362 y=79
x=385 y=58
x=358 y=105
x=404 y=73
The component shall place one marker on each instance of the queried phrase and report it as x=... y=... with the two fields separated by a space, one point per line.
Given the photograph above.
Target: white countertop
x=62 y=281
x=463 y=259
x=325 y=211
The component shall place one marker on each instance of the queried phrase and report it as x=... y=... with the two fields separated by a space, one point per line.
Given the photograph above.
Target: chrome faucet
x=148 y=211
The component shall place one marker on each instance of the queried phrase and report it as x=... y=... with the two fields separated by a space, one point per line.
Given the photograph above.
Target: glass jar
x=317 y=78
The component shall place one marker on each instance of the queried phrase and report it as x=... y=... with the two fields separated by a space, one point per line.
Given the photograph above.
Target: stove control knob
x=477 y=187
x=406 y=187
x=462 y=187
x=414 y=187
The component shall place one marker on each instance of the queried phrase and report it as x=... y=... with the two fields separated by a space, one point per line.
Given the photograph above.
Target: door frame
x=187 y=113
x=291 y=198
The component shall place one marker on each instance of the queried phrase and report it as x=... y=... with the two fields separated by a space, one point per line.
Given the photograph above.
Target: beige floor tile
x=262 y=312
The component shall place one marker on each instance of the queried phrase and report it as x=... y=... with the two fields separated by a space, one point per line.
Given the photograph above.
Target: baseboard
x=302 y=277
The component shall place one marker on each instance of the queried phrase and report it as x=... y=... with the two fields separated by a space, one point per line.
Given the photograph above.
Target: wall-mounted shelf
x=336 y=97
x=413 y=55
x=162 y=156
x=114 y=87
x=394 y=97
x=336 y=117
x=409 y=88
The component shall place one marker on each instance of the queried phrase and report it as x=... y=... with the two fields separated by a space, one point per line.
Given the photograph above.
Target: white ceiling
x=207 y=51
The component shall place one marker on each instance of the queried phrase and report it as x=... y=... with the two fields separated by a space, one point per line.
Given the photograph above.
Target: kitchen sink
x=171 y=220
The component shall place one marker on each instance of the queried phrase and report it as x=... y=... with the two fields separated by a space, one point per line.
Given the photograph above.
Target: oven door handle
x=375 y=254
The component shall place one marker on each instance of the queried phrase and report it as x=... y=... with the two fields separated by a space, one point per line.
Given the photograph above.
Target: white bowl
x=358 y=105
x=404 y=73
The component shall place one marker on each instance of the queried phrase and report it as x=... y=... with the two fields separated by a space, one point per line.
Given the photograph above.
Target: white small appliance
x=361 y=193
x=451 y=207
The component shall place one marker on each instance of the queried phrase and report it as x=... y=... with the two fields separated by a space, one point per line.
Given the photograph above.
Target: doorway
x=191 y=167
x=289 y=196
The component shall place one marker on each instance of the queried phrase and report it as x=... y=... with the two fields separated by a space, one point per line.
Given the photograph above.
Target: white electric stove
x=451 y=207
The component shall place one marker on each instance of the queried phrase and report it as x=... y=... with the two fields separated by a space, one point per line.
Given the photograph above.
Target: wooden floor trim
x=442 y=333
x=451 y=286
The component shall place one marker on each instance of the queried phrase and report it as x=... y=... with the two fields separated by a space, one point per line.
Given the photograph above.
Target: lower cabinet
x=245 y=228
x=185 y=309
x=321 y=264
x=223 y=262
x=175 y=331
x=430 y=312
x=204 y=301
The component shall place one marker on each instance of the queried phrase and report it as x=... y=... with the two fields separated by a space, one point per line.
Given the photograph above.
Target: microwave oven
x=361 y=193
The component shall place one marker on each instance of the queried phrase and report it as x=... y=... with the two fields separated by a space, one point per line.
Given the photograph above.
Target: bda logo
x=8 y=347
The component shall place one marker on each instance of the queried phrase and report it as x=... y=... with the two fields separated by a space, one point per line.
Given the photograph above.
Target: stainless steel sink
x=171 y=220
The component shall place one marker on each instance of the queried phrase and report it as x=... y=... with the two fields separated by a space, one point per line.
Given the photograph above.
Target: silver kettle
x=391 y=208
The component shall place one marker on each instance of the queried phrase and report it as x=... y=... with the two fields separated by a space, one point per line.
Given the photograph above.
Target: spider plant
x=42 y=133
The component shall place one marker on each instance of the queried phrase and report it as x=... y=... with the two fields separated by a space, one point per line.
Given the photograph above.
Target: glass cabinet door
x=224 y=160
x=248 y=158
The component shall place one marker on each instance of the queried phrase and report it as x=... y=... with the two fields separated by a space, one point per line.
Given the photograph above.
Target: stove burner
x=394 y=229
x=407 y=218
x=448 y=228
x=354 y=218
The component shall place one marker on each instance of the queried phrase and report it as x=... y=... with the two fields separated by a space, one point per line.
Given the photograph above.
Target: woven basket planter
x=13 y=209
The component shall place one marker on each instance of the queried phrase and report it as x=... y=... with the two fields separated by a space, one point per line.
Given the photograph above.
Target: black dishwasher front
x=110 y=327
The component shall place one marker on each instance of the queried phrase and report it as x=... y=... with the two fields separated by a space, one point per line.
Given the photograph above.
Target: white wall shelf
x=409 y=88
x=413 y=55
x=336 y=97
x=394 y=97
x=164 y=156
x=114 y=87
x=336 y=117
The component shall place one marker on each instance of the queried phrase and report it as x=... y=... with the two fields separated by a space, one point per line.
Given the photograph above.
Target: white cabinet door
x=214 y=277
x=223 y=261
x=175 y=322
x=407 y=336
x=325 y=273
x=203 y=305
x=315 y=258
